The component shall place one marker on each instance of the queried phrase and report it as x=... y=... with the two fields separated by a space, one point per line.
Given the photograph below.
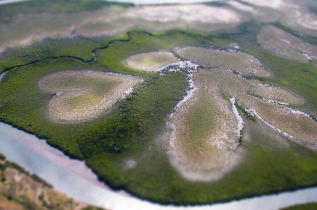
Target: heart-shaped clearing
x=151 y=61
x=83 y=95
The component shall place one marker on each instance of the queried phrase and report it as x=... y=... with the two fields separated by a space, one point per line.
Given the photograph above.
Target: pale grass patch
x=300 y=127
x=285 y=45
x=269 y=103
x=188 y=13
x=83 y=95
x=276 y=94
x=151 y=61
x=204 y=139
x=232 y=60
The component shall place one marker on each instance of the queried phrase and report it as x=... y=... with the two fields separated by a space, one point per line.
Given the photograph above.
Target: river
x=73 y=178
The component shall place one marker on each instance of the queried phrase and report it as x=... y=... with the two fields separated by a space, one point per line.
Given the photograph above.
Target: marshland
x=198 y=104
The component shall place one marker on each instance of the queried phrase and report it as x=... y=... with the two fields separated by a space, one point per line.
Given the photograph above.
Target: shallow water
x=10 y=1
x=146 y=2
x=73 y=178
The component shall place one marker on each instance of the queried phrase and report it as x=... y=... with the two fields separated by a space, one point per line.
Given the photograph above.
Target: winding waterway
x=2 y=75
x=73 y=178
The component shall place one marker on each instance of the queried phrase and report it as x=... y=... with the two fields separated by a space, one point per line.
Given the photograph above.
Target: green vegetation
x=264 y=169
x=309 y=39
x=91 y=208
x=2 y=157
x=52 y=6
x=132 y=129
x=201 y=123
x=298 y=77
x=85 y=94
x=49 y=48
x=79 y=48
x=9 y=164
x=141 y=42
x=247 y=114
x=140 y=117
x=306 y=206
x=20 y=92
x=21 y=95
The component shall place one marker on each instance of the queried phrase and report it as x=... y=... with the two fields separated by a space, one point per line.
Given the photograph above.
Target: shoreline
x=114 y=198
x=65 y=180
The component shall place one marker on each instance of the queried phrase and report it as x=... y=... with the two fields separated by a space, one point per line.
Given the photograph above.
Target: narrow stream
x=2 y=75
